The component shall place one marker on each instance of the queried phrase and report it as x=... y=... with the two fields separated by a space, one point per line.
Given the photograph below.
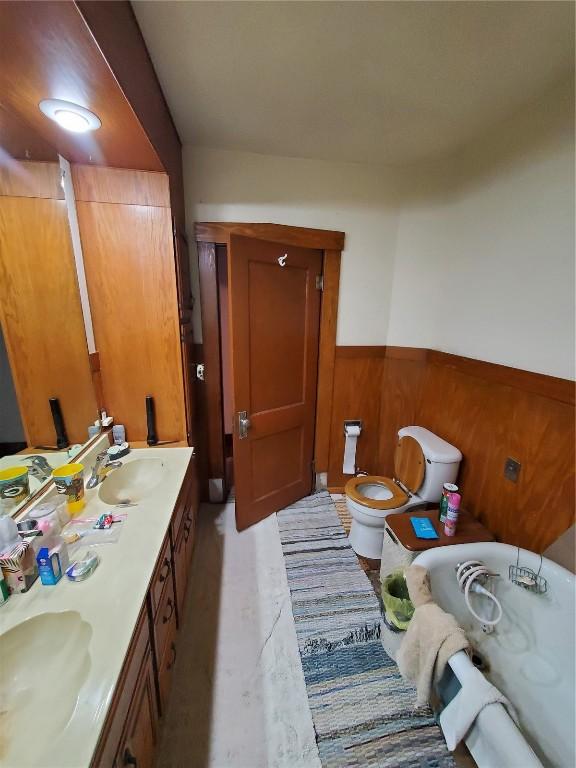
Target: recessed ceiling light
x=69 y=116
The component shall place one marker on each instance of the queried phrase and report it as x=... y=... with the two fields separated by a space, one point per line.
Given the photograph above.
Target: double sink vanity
x=85 y=668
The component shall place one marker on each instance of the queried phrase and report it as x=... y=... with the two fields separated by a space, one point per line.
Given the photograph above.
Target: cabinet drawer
x=165 y=619
x=182 y=561
x=162 y=575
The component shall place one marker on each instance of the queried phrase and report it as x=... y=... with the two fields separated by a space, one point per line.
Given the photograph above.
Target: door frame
x=210 y=236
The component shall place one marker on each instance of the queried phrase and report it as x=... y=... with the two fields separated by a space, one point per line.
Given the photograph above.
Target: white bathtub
x=530 y=657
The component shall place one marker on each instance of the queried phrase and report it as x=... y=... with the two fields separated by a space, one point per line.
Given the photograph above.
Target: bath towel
x=459 y=715
x=432 y=637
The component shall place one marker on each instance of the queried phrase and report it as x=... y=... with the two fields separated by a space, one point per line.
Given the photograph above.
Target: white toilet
x=423 y=462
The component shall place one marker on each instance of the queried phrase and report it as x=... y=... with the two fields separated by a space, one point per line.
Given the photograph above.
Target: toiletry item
x=446 y=489
x=50 y=516
x=18 y=566
x=104 y=521
x=74 y=450
x=61 y=436
x=118 y=451
x=52 y=562
x=119 y=434
x=106 y=420
x=69 y=480
x=423 y=528
x=71 y=537
x=84 y=566
x=93 y=430
x=28 y=527
x=49 y=568
x=8 y=533
x=152 y=437
x=452 y=514
x=4 y=592
x=14 y=488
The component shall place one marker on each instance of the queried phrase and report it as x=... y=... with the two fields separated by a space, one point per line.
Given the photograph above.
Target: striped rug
x=361 y=707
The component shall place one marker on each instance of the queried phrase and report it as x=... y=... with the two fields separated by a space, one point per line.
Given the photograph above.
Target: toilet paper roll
x=349 y=466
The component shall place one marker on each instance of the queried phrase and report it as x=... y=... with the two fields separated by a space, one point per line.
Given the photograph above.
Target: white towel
x=458 y=717
x=432 y=637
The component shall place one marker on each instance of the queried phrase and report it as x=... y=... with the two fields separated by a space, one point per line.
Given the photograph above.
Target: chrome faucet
x=101 y=468
x=38 y=467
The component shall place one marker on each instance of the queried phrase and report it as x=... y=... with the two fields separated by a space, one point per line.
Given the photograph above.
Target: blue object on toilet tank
x=423 y=528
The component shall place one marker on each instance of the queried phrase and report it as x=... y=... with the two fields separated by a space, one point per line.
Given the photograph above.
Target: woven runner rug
x=362 y=709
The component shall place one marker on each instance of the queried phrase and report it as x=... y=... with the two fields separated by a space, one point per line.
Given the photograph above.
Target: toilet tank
x=442 y=462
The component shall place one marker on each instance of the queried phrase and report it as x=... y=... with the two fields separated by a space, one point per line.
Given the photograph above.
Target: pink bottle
x=452 y=514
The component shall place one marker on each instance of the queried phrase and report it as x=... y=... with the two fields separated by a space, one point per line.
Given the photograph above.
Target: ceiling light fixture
x=70 y=116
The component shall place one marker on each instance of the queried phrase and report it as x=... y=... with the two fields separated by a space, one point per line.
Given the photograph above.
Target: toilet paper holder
x=352 y=423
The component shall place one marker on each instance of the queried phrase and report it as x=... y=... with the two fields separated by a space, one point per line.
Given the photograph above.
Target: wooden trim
x=33 y=179
x=212 y=357
x=301 y=237
x=353 y=352
x=326 y=355
x=563 y=390
x=551 y=387
x=418 y=354
x=117 y=185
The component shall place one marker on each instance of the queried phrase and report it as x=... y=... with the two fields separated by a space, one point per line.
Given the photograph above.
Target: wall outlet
x=512 y=470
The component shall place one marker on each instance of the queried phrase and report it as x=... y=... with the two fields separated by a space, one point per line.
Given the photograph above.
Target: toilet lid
x=409 y=463
x=376 y=492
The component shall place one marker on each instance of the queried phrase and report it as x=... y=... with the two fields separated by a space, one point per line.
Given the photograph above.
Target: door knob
x=243 y=424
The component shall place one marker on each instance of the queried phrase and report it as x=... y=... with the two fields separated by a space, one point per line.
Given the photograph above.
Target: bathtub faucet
x=471 y=576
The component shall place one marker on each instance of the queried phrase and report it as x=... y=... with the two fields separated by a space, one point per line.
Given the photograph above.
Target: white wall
x=356 y=199
x=473 y=254
x=485 y=253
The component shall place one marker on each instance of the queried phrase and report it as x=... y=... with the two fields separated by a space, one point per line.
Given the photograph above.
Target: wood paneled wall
x=40 y=304
x=491 y=412
x=126 y=231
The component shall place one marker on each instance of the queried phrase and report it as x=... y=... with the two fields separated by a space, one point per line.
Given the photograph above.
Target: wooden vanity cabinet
x=130 y=733
x=127 y=708
x=138 y=743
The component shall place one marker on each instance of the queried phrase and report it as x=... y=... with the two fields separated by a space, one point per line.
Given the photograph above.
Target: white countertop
x=110 y=601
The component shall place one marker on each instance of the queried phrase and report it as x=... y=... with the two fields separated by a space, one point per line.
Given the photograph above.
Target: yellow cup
x=14 y=487
x=69 y=480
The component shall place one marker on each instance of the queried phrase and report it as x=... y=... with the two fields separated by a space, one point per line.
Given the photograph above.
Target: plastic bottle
x=452 y=514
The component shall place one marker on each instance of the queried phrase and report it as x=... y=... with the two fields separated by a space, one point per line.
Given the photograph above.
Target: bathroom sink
x=132 y=482
x=44 y=662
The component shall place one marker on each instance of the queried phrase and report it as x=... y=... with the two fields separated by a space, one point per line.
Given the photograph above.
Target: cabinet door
x=165 y=668
x=120 y=713
x=139 y=741
x=182 y=557
x=185 y=538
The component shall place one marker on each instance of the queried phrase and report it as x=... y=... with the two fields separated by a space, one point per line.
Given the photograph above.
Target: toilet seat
x=398 y=498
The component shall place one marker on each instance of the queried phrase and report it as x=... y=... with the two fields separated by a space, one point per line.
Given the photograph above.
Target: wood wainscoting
x=491 y=412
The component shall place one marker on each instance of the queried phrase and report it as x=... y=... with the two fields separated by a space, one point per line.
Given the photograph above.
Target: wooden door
x=274 y=327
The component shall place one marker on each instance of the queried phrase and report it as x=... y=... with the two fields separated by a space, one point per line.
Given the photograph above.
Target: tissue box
x=19 y=568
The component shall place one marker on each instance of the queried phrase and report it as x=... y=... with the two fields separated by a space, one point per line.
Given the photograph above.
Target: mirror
x=47 y=397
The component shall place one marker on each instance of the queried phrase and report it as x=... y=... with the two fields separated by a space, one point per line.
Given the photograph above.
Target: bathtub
x=529 y=656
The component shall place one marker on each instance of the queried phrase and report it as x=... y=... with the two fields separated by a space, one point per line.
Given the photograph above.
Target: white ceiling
x=390 y=82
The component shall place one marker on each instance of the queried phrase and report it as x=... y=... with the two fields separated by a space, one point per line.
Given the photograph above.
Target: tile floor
x=238 y=698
